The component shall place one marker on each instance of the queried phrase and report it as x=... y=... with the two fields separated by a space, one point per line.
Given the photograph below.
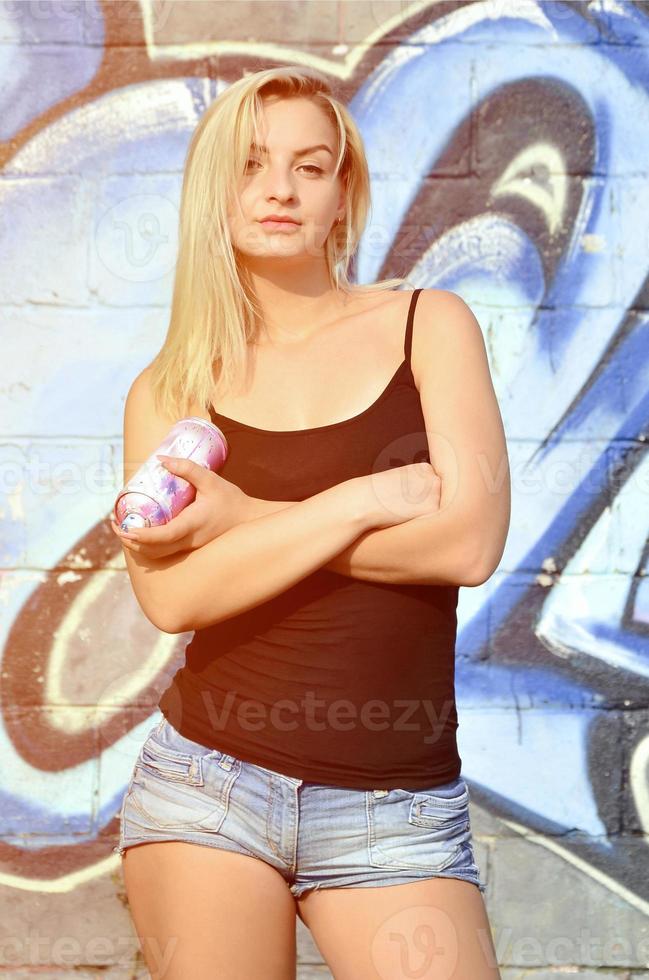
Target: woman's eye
x=306 y=166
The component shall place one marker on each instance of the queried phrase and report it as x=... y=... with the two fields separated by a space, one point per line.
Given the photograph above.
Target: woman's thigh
x=203 y=912
x=436 y=929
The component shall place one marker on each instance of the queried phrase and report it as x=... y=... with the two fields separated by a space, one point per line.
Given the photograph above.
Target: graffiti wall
x=507 y=142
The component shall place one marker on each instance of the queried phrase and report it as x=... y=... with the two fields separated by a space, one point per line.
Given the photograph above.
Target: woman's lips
x=279 y=225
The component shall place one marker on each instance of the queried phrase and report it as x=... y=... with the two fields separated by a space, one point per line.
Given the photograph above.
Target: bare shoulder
x=444 y=327
x=140 y=399
x=140 y=389
x=144 y=426
x=442 y=304
x=140 y=402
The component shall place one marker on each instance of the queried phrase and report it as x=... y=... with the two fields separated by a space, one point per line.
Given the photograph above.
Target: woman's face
x=281 y=179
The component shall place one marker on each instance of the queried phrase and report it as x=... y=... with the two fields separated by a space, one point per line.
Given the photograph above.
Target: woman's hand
x=218 y=506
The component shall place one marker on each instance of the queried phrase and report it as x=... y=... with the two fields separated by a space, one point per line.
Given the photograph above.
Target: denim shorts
x=316 y=836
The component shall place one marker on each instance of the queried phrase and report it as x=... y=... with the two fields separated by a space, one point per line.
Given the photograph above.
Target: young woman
x=306 y=758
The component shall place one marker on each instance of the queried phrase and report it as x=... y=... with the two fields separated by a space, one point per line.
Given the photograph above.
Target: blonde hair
x=214 y=313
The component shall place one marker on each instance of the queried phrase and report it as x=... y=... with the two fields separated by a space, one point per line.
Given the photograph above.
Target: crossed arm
x=463 y=542
x=400 y=554
x=460 y=543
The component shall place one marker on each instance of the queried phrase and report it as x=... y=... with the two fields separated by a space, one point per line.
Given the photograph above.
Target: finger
x=161 y=535
x=127 y=544
x=130 y=533
x=157 y=534
x=134 y=544
x=188 y=469
x=116 y=529
x=126 y=538
x=180 y=528
x=125 y=535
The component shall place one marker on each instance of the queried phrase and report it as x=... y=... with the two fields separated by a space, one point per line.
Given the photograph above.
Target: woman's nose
x=279 y=183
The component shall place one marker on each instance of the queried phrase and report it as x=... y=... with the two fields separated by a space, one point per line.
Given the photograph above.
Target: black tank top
x=337 y=680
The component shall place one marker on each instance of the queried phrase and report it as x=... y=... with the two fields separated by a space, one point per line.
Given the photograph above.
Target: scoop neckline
x=316 y=428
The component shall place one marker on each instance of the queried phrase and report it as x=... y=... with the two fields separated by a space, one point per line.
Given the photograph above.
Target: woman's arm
x=392 y=554
x=377 y=555
x=249 y=563
x=462 y=543
x=246 y=564
x=255 y=560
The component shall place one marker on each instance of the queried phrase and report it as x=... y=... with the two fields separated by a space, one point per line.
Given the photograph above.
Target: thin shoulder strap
x=407 y=347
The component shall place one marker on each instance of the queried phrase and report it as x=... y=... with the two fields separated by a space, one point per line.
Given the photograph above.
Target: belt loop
x=380 y=792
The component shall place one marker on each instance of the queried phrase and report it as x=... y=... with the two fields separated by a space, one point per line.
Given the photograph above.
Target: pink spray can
x=153 y=495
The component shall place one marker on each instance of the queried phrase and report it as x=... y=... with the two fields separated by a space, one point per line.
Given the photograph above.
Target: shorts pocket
x=171 y=764
x=177 y=790
x=422 y=830
x=444 y=815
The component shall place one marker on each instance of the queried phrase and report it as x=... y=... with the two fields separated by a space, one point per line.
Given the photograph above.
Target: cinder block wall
x=507 y=143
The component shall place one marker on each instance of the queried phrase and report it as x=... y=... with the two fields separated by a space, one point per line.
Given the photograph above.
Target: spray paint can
x=153 y=495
